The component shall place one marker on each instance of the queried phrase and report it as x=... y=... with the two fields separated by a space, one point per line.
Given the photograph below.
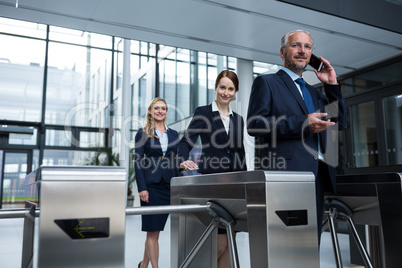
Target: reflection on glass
x=21 y=78
x=79 y=76
x=365 y=147
x=393 y=128
x=15 y=170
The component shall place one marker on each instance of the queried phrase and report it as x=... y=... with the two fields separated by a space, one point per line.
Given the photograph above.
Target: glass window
x=22 y=139
x=183 y=90
x=80 y=38
x=365 y=147
x=144 y=48
x=202 y=58
x=202 y=85
x=170 y=89
x=183 y=55
x=65 y=157
x=134 y=64
x=212 y=59
x=162 y=79
x=58 y=138
x=152 y=49
x=19 y=27
x=393 y=128
x=118 y=70
x=79 y=76
x=118 y=65
x=143 y=61
x=135 y=46
x=13 y=184
x=212 y=74
x=142 y=96
x=232 y=63
x=378 y=77
x=91 y=139
x=21 y=78
x=260 y=68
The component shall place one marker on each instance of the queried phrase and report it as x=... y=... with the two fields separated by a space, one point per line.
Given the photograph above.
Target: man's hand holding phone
x=316 y=62
x=326 y=73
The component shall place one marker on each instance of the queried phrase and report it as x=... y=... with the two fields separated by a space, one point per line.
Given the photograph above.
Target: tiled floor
x=11 y=245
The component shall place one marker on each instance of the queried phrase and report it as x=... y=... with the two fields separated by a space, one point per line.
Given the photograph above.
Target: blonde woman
x=155 y=153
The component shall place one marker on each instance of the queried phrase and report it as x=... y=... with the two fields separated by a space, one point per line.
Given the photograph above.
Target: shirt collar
x=291 y=73
x=165 y=130
x=216 y=109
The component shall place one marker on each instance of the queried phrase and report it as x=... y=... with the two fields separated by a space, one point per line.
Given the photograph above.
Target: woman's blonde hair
x=149 y=127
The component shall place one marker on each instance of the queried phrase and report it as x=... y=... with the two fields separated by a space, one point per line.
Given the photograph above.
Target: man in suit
x=289 y=118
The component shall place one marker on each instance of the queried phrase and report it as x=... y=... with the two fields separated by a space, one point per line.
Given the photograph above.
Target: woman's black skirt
x=159 y=195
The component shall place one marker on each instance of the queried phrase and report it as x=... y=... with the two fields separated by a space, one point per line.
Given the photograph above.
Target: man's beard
x=299 y=67
x=296 y=67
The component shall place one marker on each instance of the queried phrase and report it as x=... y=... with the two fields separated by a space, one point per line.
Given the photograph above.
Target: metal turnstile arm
x=332 y=213
x=335 y=209
x=211 y=227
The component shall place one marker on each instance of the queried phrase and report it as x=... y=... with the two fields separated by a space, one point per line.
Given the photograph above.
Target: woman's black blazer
x=151 y=166
x=221 y=152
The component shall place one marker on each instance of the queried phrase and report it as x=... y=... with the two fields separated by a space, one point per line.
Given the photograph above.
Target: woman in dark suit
x=155 y=165
x=221 y=132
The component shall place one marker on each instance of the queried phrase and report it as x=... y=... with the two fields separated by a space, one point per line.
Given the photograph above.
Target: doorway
x=15 y=165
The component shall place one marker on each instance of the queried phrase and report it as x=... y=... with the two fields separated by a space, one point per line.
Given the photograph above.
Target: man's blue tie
x=306 y=95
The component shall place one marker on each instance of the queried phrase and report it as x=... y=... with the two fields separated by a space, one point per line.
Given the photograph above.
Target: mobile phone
x=316 y=63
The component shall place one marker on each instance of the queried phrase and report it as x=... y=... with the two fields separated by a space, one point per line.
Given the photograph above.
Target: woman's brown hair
x=229 y=74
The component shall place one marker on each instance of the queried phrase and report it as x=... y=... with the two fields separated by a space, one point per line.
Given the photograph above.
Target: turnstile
x=82 y=215
x=277 y=209
x=376 y=201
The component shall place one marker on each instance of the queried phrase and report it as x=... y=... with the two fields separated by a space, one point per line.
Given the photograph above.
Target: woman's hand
x=144 y=196
x=188 y=165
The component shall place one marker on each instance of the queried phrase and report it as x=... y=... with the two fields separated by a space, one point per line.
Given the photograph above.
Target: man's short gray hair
x=285 y=38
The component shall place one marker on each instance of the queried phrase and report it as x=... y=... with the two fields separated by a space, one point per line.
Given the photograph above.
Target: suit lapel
x=293 y=89
x=233 y=127
x=157 y=143
x=218 y=125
